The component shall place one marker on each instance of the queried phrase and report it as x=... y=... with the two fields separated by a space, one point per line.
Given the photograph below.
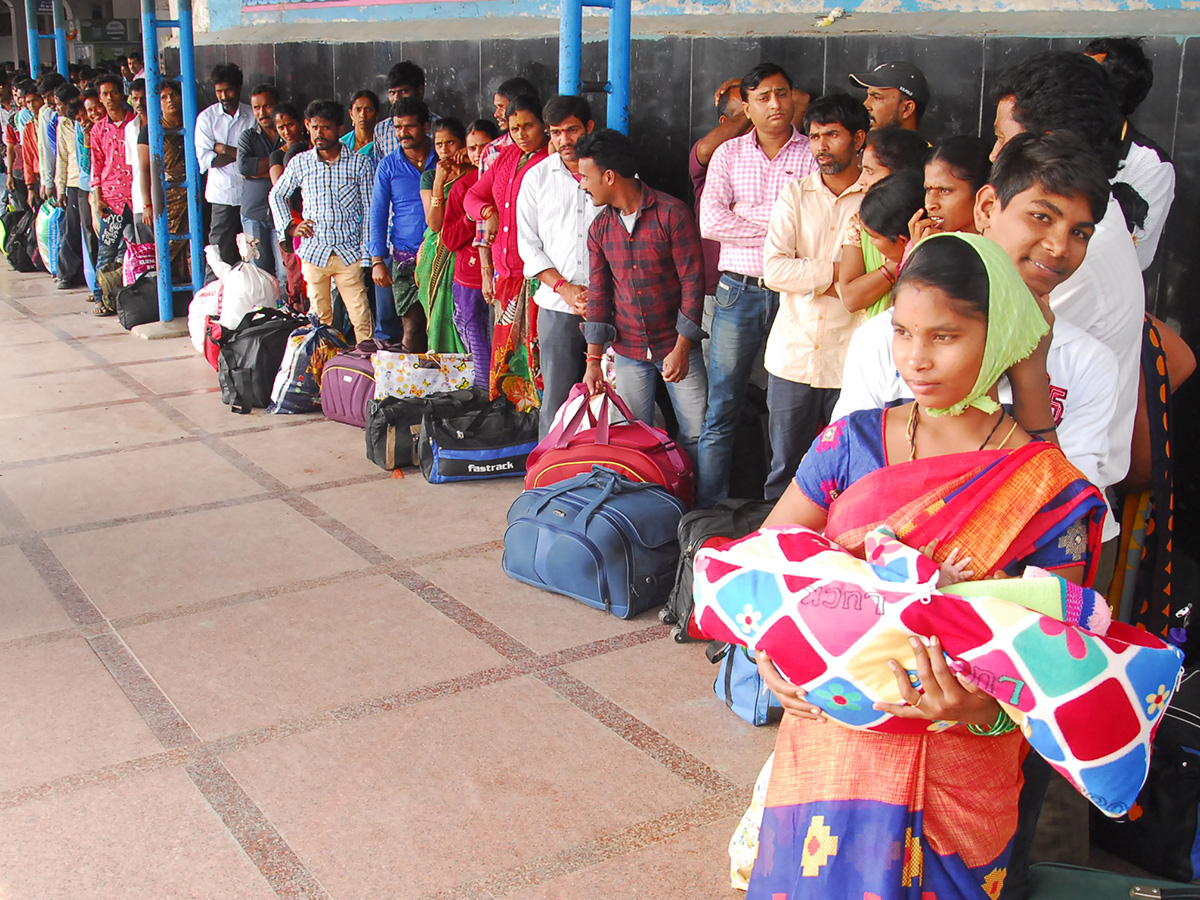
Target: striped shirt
x=337 y=200
x=740 y=174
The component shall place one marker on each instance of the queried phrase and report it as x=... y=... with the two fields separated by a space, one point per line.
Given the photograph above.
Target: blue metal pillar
x=60 y=38
x=151 y=25
x=31 y=29
x=570 y=56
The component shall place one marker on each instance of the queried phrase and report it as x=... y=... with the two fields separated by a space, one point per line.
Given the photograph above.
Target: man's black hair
x=170 y=85
x=411 y=106
x=968 y=158
x=1058 y=162
x=138 y=84
x=891 y=202
x=530 y=103
x=900 y=149
x=406 y=74
x=266 y=88
x=1128 y=67
x=287 y=109
x=50 y=82
x=761 y=73
x=452 y=125
x=1059 y=91
x=562 y=106
x=370 y=95
x=227 y=73
x=66 y=92
x=485 y=126
x=329 y=110
x=608 y=149
x=135 y=54
x=29 y=87
x=74 y=108
x=110 y=78
x=513 y=88
x=838 y=107
x=89 y=93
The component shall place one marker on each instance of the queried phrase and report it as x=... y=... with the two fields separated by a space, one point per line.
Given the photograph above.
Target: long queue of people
x=816 y=244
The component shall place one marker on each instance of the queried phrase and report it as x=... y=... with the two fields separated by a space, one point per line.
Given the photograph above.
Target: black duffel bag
x=394 y=423
x=250 y=357
x=137 y=304
x=20 y=241
x=492 y=443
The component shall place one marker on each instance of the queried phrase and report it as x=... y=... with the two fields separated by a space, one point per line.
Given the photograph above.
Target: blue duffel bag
x=607 y=541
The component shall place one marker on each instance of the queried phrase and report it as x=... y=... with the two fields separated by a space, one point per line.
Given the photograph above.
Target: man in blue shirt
x=336 y=186
x=398 y=226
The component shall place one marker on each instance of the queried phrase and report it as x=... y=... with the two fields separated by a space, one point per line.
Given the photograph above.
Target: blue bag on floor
x=740 y=687
x=492 y=443
x=599 y=537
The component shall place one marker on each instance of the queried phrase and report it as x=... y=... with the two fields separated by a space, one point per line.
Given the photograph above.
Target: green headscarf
x=1015 y=321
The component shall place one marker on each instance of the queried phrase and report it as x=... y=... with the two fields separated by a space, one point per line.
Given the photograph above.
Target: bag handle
x=562 y=435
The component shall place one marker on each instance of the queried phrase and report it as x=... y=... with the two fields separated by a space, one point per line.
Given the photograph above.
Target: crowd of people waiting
x=531 y=242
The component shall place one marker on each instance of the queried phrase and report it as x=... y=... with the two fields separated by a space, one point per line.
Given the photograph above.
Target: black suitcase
x=137 y=304
x=1162 y=833
x=1056 y=881
x=250 y=357
x=728 y=519
x=394 y=424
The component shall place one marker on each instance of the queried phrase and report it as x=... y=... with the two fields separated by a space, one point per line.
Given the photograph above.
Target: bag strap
x=242 y=388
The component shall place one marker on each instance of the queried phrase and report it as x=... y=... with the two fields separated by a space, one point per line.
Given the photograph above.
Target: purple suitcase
x=347 y=383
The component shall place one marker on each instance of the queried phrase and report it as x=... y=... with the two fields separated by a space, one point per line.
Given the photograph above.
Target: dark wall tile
x=257 y=62
x=658 y=111
x=363 y=67
x=535 y=59
x=305 y=71
x=952 y=66
x=593 y=66
x=451 y=77
x=715 y=61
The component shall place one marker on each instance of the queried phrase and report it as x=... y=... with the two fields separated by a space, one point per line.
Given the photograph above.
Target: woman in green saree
x=435 y=261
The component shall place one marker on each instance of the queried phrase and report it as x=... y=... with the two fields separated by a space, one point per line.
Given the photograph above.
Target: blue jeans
x=562 y=352
x=636 y=383
x=742 y=319
x=796 y=415
x=269 y=259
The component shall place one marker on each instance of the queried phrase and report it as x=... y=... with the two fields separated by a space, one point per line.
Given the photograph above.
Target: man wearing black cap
x=897 y=94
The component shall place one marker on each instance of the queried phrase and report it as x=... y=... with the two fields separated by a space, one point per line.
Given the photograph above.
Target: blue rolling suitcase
x=607 y=541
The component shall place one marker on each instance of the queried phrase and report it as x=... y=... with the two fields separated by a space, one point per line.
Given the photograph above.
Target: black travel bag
x=494 y=442
x=137 y=304
x=250 y=357
x=700 y=528
x=394 y=423
x=20 y=241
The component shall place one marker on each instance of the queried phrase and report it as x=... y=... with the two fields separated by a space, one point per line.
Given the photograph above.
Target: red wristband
x=558 y=284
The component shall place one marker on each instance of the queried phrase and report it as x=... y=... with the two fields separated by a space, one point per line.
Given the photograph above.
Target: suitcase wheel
x=667 y=616
x=679 y=633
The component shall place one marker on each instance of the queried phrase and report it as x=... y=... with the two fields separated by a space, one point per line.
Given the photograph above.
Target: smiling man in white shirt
x=553 y=215
x=218 y=130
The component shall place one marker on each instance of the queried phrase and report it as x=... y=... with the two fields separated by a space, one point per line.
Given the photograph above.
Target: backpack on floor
x=728 y=520
x=251 y=355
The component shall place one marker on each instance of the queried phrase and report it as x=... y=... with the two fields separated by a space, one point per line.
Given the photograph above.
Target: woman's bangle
x=887 y=274
x=435 y=202
x=1003 y=725
x=1041 y=430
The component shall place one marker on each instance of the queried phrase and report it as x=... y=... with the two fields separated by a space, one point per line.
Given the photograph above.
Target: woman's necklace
x=913 y=419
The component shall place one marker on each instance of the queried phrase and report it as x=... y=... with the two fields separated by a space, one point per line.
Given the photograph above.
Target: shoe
x=64 y=285
x=99 y=309
x=367 y=346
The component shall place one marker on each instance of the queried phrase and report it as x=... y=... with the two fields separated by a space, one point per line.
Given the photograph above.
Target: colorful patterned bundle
x=418 y=374
x=1088 y=703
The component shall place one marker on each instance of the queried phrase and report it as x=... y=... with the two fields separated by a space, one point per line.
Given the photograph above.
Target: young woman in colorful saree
x=435 y=260
x=493 y=199
x=863 y=814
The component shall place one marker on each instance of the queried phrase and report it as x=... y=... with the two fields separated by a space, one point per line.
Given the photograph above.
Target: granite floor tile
x=54 y=434
x=82 y=324
x=327 y=451
x=28 y=359
x=174 y=375
x=207 y=411
x=256 y=664
x=73 y=716
x=539 y=619
x=163 y=563
x=673 y=694
x=137 y=481
x=693 y=865
x=433 y=796
x=24 y=332
x=28 y=607
x=34 y=296
x=409 y=517
x=59 y=390
x=147 y=838
x=123 y=347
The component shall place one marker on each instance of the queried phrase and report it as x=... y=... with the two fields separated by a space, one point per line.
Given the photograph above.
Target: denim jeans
x=636 y=384
x=269 y=259
x=796 y=415
x=563 y=354
x=742 y=319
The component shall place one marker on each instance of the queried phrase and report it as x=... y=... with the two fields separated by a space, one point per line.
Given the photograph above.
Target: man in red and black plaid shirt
x=646 y=287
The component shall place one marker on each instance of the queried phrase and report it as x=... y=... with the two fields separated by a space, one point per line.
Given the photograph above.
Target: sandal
x=100 y=309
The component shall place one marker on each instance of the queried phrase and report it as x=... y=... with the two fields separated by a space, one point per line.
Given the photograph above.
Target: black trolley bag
x=251 y=355
x=728 y=520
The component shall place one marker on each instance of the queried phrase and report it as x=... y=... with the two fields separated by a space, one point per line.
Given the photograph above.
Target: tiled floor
x=239 y=661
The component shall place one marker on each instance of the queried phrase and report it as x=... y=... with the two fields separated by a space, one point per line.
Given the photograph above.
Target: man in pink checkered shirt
x=745 y=176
